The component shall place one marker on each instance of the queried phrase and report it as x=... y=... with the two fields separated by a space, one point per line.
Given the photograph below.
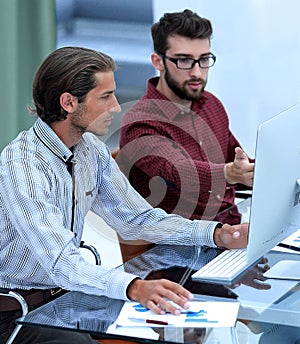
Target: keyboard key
x=225 y=267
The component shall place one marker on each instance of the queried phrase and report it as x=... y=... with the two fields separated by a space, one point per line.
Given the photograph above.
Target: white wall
x=257 y=44
x=104 y=239
x=257 y=74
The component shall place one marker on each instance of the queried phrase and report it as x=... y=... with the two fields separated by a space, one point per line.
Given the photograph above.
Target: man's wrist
x=226 y=170
x=217 y=236
x=130 y=291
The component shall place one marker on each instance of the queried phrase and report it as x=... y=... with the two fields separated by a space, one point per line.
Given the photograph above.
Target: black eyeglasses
x=205 y=61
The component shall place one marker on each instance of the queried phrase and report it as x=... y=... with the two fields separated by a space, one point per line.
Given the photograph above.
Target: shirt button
x=219 y=197
x=182 y=112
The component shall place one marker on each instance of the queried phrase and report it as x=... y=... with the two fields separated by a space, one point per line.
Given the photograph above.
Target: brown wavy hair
x=67 y=69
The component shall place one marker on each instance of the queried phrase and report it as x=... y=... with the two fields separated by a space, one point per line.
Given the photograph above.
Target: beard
x=181 y=91
x=77 y=125
x=80 y=125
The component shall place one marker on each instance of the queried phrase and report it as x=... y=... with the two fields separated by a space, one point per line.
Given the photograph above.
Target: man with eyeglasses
x=175 y=146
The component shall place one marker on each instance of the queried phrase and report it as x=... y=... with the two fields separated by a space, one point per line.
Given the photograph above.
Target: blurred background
x=256 y=43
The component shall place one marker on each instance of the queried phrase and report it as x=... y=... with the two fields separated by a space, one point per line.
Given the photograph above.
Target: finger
x=228 y=232
x=263 y=261
x=251 y=166
x=177 y=294
x=178 y=299
x=236 y=235
x=169 y=307
x=235 y=285
x=259 y=276
x=179 y=291
x=240 y=154
x=265 y=268
x=155 y=308
x=248 y=170
x=234 y=231
x=260 y=285
x=227 y=228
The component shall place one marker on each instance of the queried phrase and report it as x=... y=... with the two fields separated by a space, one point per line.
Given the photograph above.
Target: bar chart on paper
x=204 y=314
x=296 y=239
x=291 y=244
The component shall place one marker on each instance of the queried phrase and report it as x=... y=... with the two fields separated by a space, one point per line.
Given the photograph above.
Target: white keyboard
x=224 y=268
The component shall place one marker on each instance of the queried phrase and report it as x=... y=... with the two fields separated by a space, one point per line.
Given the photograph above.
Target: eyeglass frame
x=175 y=60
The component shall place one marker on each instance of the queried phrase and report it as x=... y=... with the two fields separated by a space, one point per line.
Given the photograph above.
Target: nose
x=196 y=71
x=116 y=106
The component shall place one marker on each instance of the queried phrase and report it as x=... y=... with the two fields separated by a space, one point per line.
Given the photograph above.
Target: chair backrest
x=130 y=11
x=124 y=10
x=93 y=250
x=120 y=28
x=132 y=248
x=4 y=292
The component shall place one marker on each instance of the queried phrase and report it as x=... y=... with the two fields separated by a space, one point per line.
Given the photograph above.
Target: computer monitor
x=275 y=208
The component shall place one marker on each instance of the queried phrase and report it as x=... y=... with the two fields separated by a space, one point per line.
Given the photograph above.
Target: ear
x=157 y=62
x=68 y=102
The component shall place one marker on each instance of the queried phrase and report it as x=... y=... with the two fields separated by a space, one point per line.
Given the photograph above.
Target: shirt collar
x=170 y=109
x=49 y=138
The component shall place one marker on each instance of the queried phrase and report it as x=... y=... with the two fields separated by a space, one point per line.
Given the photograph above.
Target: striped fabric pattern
x=38 y=249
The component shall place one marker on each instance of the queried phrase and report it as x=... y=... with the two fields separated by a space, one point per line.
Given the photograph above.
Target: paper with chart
x=204 y=314
x=292 y=240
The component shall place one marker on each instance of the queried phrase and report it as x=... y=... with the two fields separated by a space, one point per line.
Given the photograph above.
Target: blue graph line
x=140 y=308
x=200 y=317
x=204 y=320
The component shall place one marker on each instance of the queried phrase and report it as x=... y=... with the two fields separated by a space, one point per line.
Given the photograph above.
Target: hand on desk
x=254 y=278
x=153 y=294
x=235 y=236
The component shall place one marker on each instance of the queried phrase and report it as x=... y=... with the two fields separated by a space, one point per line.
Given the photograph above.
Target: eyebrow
x=108 y=92
x=189 y=55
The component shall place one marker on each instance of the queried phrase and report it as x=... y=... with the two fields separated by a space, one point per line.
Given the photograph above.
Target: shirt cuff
x=129 y=285
x=118 y=284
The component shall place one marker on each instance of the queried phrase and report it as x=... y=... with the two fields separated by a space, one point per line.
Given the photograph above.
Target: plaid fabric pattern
x=175 y=156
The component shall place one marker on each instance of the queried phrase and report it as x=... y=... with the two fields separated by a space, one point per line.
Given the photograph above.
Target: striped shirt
x=40 y=229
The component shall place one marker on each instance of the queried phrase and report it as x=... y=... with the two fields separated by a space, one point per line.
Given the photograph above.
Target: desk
x=269 y=311
x=272 y=310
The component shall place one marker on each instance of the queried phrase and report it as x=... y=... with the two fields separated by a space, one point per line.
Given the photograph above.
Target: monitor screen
x=275 y=209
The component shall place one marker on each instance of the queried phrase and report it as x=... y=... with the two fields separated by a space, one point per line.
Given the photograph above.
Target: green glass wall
x=27 y=36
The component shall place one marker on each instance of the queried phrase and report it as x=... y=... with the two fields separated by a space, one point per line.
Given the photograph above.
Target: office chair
x=10 y=293
x=93 y=250
x=13 y=294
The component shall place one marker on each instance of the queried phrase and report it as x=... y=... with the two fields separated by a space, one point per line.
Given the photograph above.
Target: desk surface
x=270 y=309
x=260 y=308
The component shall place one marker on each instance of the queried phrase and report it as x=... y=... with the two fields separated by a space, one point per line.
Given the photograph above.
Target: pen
x=149 y=321
x=290 y=247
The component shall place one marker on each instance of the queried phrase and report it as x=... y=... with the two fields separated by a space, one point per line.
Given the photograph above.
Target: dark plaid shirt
x=175 y=156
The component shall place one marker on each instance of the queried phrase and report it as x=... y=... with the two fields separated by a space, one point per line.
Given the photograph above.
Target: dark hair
x=186 y=23
x=68 y=69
